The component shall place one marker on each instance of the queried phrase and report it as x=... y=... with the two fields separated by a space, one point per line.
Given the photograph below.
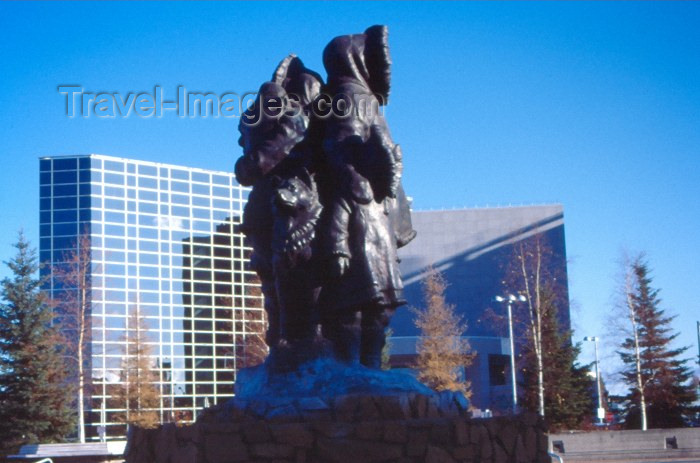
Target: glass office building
x=162 y=242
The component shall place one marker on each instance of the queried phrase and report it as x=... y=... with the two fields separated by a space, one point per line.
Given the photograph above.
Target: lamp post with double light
x=510 y=299
x=601 y=410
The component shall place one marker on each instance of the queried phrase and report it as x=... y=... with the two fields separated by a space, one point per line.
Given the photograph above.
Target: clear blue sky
x=593 y=105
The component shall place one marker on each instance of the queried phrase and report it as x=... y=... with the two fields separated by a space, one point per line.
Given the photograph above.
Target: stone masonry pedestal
x=403 y=427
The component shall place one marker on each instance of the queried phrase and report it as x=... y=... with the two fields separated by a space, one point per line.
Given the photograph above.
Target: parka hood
x=362 y=59
x=269 y=134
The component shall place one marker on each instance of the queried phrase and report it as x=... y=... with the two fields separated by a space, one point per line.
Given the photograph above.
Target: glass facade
x=162 y=240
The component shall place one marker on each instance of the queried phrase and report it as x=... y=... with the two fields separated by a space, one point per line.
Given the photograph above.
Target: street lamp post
x=600 y=411
x=510 y=299
x=698 y=327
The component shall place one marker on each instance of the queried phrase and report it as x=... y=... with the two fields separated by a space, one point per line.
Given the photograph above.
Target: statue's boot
x=373 y=341
x=345 y=336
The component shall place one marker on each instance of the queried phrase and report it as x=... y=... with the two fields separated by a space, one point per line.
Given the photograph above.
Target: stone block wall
x=650 y=445
x=348 y=429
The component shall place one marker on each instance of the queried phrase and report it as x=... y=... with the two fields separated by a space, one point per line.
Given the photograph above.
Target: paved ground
x=662 y=461
x=684 y=460
x=658 y=461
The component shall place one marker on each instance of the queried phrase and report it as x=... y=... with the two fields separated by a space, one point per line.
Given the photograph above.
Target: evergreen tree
x=442 y=351
x=567 y=394
x=659 y=379
x=138 y=392
x=35 y=396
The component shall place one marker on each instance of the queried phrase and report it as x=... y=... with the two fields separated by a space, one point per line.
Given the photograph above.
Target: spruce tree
x=657 y=375
x=35 y=395
x=442 y=351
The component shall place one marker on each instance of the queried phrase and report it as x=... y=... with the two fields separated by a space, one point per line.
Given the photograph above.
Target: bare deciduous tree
x=553 y=382
x=253 y=350
x=72 y=275
x=253 y=321
x=530 y=270
x=531 y=273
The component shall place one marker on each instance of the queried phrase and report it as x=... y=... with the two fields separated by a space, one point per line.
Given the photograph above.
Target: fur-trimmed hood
x=362 y=59
x=269 y=136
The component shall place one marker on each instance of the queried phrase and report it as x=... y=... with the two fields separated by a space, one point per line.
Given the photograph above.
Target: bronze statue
x=275 y=151
x=324 y=218
x=326 y=252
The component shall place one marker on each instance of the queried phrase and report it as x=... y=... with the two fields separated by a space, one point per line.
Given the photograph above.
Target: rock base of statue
x=319 y=375
x=326 y=411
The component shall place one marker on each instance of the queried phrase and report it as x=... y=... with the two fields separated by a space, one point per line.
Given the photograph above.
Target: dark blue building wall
x=472 y=248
